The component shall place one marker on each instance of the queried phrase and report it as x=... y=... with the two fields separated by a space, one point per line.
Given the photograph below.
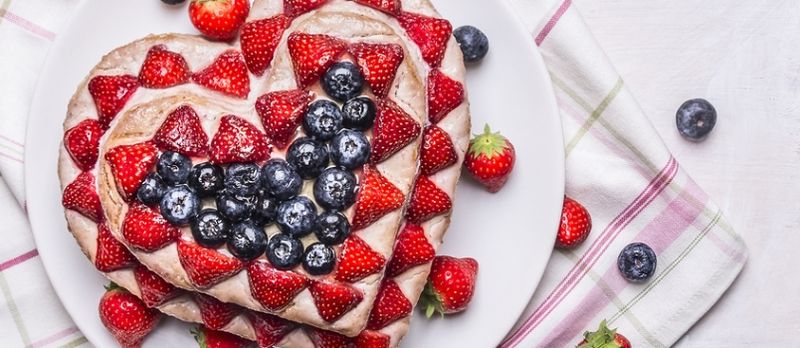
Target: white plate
x=510 y=233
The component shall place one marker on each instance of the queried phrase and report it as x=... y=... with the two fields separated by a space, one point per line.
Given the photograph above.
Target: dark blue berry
x=247 y=241
x=284 y=252
x=474 y=43
x=359 y=113
x=172 y=2
x=207 y=179
x=343 y=81
x=695 y=119
x=179 y=205
x=210 y=229
x=308 y=156
x=350 y=149
x=637 y=262
x=151 y=190
x=280 y=179
x=297 y=217
x=319 y=259
x=335 y=189
x=322 y=120
x=332 y=228
x=236 y=208
x=174 y=168
x=266 y=210
x=243 y=179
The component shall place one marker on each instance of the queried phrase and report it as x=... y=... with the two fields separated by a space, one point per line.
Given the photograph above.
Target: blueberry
x=207 y=179
x=297 y=217
x=174 y=168
x=284 y=252
x=359 y=113
x=695 y=119
x=332 y=228
x=210 y=229
x=172 y=2
x=637 y=262
x=236 y=208
x=350 y=149
x=343 y=81
x=308 y=156
x=151 y=190
x=247 y=241
x=266 y=210
x=319 y=259
x=179 y=205
x=322 y=120
x=335 y=189
x=474 y=43
x=243 y=179
x=280 y=179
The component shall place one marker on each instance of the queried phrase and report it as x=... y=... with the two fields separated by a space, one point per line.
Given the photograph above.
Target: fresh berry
x=350 y=149
x=695 y=119
x=312 y=55
x=391 y=7
x=376 y=198
x=390 y=305
x=145 y=228
x=110 y=93
x=130 y=164
x=215 y=313
x=126 y=317
x=490 y=159
x=319 y=259
x=332 y=228
x=323 y=120
x=174 y=168
x=329 y=339
x=372 y=339
x=243 y=179
x=266 y=210
x=172 y=2
x=284 y=252
x=155 y=290
x=163 y=68
x=576 y=223
x=152 y=189
x=269 y=329
x=358 y=260
x=182 y=132
x=81 y=196
x=247 y=241
x=272 y=288
x=207 y=179
x=280 y=179
x=297 y=217
x=378 y=64
x=235 y=208
x=637 y=262
x=281 y=113
x=227 y=74
x=259 y=40
x=359 y=113
x=450 y=286
x=308 y=156
x=294 y=8
x=111 y=255
x=82 y=143
x=206 y=267
x=219 y=19
x=210 y=229
x=429 y=33
x=208 y=338
x=411 y=249
x=604 y=338
x=334 y=299
x=473 y=42
x=394 y=129
x=335 y=189
x=444 y=95
x=427 y=201
x=437 y=151
x=343 y=81
x=179 y=205
x=238 y=141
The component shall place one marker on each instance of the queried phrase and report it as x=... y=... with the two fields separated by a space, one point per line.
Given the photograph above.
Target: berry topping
x=219 y=19
x=576 y=223
x=411 y=249
x=280 y=179
x=281 y=113
x=179 y=205
x=695 y=119
x=145 y=229
x=111 y=255
x=394 y=130
x=637 y=262
x=391 y=7
x=490 y=159
x=328 y=339
x=308 y=156
x=207 y=179
x=350 y=149
x=323 y=120
x=427 y=201
x=358 y=260
x=343 y=81
x=110 y=93
x=182 y=132
x=247 y=241
x=215 y=314
x=129 y=166
x=270 y=330
x=243 y=179
x=259 y=40
x=294 y=8
x=209 y=338
x=172 y=2
x=376 y=198
x=319 y=259
x=332 y=228
x=437 y=151
x=450 y=286
x=163 y=68
x=334 y=299
x=206 y=267
x=444 y=95
x=238 y=141
x=359 y=113
x=297 y=217
x=604 y=337
x=430 y=34
x=372 y=339
x=335 y=189
x=378 y=63
x=81 y=196
x=82 y=143
x=266 y=210
x=235 y=208
x=473 y=42
x=312 y=55
x=390 y=305
x=272 y=288
x=126 y=317
x=174 y=168
x=155 y=290
x=152 y=190
x=284 y=252
x=227 y=74
x=210 y=229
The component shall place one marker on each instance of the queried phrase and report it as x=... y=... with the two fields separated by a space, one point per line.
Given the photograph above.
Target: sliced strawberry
x=358 y=260
x=145 y=228
x=272 y=288
x=82 y=143
x=163 y=68
x=126 y=317
x=111 y=255
x=372 y=339
x=437 y=151
x=376 y=198
x=390 y=305
x=182 y=132
x=155 y=290
x=394 y=129
x=411 y=249
x=110 y=93
x=427 y=201
x=281 y=113
x=294 y=8
x=334 y=299
x=259 y=40
x=312 y=55
x=238 y=141
x=81 y=196
x=227 y=75
x=391 y=7
x=378 y=63
x=129 y=166
x=210 y=338
x=215 y=313
x=429 y=33
x=270 y=330
x=327 y=339
x=206 y=267
x=444 y=95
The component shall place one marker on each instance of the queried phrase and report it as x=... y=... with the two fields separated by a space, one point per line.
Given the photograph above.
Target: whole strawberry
x=126 y=316
x=604 y=338
x=207 y=338
x=450 y=286
x=219 y=19
x=490 y=159
x=576 y=223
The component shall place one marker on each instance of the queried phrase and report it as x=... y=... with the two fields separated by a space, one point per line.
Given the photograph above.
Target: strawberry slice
x=390 y=305
x=210 y=338
x=259 y=40
x=358 y=260
x=378 y=64
x=394 y=129
x=215 y=313
x=312 y=55
x=391 y=7
x=227 y=75
x=182 y=132
x=145 y=228
x=429 y=33
x=294 y=8
x=82 y=143
x=444 y=95
x=163 y=68
x=376 y=198
x=328 y=339
x=272 y=288
x=411 y=249
x=110 y=254
x=110 y=93
x=206 y=267
x=155 y=290
x=81 y=196
x=270 y=330
x=372 y=339
x=437 y=151
x=129 y=166
x=282 y=112
x=334 y=299
x=427 y=201
x=238 y=141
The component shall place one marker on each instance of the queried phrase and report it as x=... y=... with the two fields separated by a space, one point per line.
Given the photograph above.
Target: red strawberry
x=294 y=8
x=391 y=7
x=215 y=313
x=163 y=68
x=126 y=316
x=312 y=55
x=444 y=95
x=604 y=337
x=394 y=129
x=208 y=338
x=490 y=159
x=437 y=151
x=82 y=143
x=81 y=196
x=334 y=299
x=427 y=201
x=358 y=260
x=390 y=305
x=270 y=330
x=155 y=290
x=576 y=223
x=238 y=141
x=281 y=113
x=182 y=132
x=272 y=288
x=130 y=165
x=451 y=284
x=206 y=267
x=378 y=63
x=429 y=33
x=376 y=198
x=219 y=19
x=227 y=74
x=110 y=93
x=259 y=40
x=327 y=339
x=372 y=339
x=145 y=228
x=111 y=255
x=411 y=249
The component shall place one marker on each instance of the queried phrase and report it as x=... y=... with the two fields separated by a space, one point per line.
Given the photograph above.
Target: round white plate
x=510 y=233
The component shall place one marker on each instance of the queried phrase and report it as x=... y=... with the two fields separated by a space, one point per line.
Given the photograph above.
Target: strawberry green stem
x=488 y=144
